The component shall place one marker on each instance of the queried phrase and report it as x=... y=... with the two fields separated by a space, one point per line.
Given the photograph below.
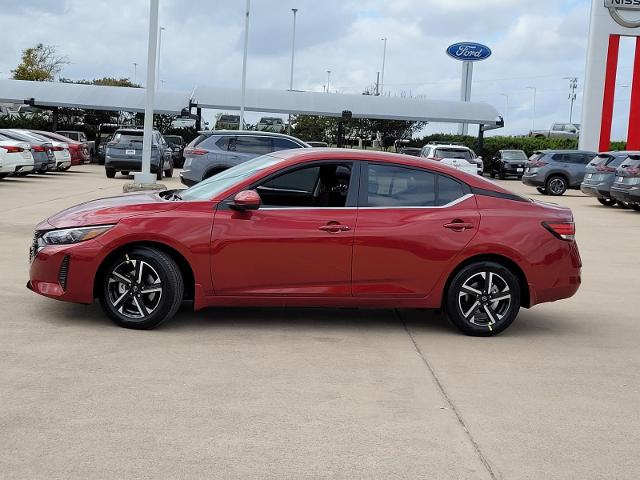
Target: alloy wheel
x=556 y=186
x=134 y=289
x=484 y=299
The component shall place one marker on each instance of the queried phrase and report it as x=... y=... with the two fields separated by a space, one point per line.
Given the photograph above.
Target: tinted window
x=248 y=144
x=390 y=186
x=449 y=190
x=514 y=155
x=453 y=153
x=283 y=144
x=616 y=162
x=559 y=157
x=320 y=186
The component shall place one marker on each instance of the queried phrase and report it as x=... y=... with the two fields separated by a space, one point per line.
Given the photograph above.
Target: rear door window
x=255 y=145
x=283 y=144
x=449 y=190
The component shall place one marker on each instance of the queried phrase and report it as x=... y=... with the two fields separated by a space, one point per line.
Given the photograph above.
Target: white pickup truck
x=558 y=130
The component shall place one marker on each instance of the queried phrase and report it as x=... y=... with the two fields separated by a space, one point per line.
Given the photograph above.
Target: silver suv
x=553 y=172
x=215 y=151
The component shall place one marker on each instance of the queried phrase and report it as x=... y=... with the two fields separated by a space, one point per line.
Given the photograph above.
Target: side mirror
x=246 y=200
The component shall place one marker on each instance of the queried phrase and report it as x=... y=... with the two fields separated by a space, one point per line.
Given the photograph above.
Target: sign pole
x=465 y=92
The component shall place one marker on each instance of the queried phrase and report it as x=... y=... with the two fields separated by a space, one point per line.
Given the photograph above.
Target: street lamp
x=573 y=86
x=244 y=64
x=135 y=73
x=535 y=94
x=506 y=112
x=384 y=61
x=159 y=47
x=293 y=49
x=328 y=79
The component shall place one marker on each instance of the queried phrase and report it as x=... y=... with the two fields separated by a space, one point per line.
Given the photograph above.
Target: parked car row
x=614 y=179
x=36 y=151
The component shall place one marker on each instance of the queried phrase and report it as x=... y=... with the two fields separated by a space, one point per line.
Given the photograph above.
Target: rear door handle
x=459 y=226
x=335 y=228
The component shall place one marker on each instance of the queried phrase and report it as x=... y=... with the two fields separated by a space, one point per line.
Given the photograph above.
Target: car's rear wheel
x=483 y=299
x=111 y=173
x=492 y=173
x=141 y=288
x=624 y=205
x=607 y=202
x=541 y=190
x=159 y=173
x=125 y=172
x=502 y=175
x=556 y=186
x=169 y=171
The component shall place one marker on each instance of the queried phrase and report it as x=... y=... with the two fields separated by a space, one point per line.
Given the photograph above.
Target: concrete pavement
x=315 y=393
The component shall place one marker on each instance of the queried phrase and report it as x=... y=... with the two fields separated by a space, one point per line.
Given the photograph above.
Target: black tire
x=607 y=202
x=125 y=172
x=475 y=321
x=635 y=206
x=123 y=296
x=624 y=205
x=111 y=173
x=556 y=185
x=169 y=172
x=501 y=175
x=64 y=169
x=541 y=190
x=159 y=174
x=3 y=175
x=492 y=174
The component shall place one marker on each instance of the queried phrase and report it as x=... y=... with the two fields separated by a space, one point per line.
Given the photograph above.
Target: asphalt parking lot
x=249 y=393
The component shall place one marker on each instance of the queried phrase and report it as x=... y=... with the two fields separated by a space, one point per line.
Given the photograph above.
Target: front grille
x=63 y=274
x=33 y=250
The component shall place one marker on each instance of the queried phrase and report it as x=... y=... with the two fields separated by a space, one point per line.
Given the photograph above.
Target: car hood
x=108 y=210
x=512 y=160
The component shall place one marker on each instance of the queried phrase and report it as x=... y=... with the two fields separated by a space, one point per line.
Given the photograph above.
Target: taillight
x=633 y=172
x=57 y=149
x=562 y=230
x=11 y=149
x=606 y=169
x=38 y=148
x=195 y=151
x=538 y=164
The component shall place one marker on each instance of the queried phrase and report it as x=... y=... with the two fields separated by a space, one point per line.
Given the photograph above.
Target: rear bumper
x=184 y=178
x=128 y=165
x=627 y=196
x=595 y=190
x=532 y=180
x=563 y=282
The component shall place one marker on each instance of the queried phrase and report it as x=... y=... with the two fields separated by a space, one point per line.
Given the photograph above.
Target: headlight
x=69 y=236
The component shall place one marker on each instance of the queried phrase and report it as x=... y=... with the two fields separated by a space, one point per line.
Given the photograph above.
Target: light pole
x=535 y=95
x=159 y=47
x=244 y=64
x=384 y=61
x=506 y=112
x=135 y=73
x=145 y=177
x=293 y=49
x=328 y=79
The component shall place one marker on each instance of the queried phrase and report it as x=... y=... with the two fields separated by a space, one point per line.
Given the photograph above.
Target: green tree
x=40 y=63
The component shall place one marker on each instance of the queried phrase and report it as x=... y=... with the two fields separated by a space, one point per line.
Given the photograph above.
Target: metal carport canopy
x=362 y=106
x=56 y=94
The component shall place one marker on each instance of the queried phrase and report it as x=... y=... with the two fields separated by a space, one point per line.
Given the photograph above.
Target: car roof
x=452 y=146
x=259 y=133
x=565 y=151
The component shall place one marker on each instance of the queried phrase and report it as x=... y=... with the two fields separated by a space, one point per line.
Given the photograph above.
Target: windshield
x=514 y=155
x=208 y=189
x=128 y=137
x=453 y=153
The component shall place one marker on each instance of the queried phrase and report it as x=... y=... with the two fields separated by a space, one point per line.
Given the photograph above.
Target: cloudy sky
x=534 y=43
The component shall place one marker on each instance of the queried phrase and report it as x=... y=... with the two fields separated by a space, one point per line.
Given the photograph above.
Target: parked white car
x=456 y=156
x=270 y=124
x=15 y=157
x=60 y=149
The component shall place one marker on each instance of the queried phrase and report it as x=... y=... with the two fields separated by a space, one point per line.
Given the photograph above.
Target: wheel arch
x=181 y=261
x=211 y=171
x=525 y=297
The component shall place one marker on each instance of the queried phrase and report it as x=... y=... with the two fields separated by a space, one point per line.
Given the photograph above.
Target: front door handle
x=459 y=226
x=335 y=228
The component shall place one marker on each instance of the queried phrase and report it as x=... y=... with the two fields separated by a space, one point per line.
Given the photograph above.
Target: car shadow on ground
x=529 y=323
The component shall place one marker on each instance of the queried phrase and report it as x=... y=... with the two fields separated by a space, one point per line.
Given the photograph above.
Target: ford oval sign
x=469 y=51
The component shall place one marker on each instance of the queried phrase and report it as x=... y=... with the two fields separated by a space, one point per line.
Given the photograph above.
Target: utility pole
x=378 y=84
x=293 y=50
x=384 y=61
x=244 y=65
x=135 y=73
x=573 y=86
x=159 y=55
x=328 y=79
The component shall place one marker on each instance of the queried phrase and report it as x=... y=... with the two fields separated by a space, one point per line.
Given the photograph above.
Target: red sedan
x=78 y=150
x=317 y=227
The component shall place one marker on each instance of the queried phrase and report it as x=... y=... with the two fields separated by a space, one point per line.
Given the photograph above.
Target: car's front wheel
x=607 y=202
x=141 y=288
x=483 y=299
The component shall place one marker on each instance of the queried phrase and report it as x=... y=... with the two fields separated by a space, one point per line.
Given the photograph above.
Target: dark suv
x=124 y=154
x=213 y=152
x=552 y=172
x=626 y=187
x=508 y=162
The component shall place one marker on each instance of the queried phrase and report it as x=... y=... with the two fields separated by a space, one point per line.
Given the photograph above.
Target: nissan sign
x=469 y=51
x=617 y=6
